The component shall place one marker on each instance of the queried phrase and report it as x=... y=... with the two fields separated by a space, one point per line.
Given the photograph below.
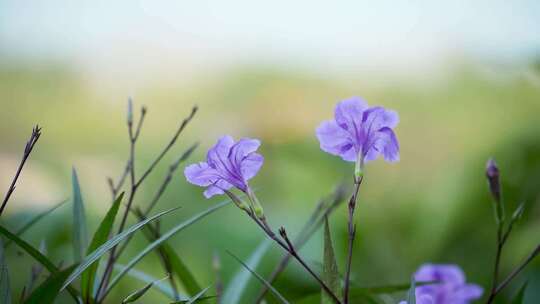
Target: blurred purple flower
x=424 y=299
x=452 y=288
x=359 y=132
x=228 y=164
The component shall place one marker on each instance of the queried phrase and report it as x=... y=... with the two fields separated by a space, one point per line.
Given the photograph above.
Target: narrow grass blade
x=47 y=292
x=520 y=297
x=163 y=287
x=411 y=296
x=101 y=250
x=164 y=238
x=238 y=284
x=100 y=237
x=5 y=291
x=261 y=279
x=36 y=219
x=178 y=267
x=80 y=234
x=139 y=293
x=185 y=276
x=330 y=269
x=198 y=296
x=38 y=256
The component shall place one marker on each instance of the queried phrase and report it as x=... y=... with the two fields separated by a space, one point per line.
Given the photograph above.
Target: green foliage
x=36 y=219
x=5 y=291
x=182 y=272
x=101 y=250
x=261 y=279
x=38 y=256
x=199 y=295
x=140 y=292
x=330 y=269
x=520 y=297
x=164 y=238
x=162 y=287
x=80 y=231
x=100 y=237
x=238 y=284
x=47 y=292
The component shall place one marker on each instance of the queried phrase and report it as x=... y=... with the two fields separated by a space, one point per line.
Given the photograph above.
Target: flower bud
x=492 y=174
x=257 y=208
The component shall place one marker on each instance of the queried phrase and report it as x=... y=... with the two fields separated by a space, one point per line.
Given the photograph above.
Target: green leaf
x=5 y=291
x=101 y=250
x=139 y=293
x=198 y=296
x=520 y=297
x=238 y=284
x=80 y=234
x=38 y=256
x=411 y=296
x=100 y=236
x=178 y=267
x=47 y=292
x=183 y=273
x=330 y=269
x=164 y=238
x=34 y=220
x=164 y=288
x=261 y=279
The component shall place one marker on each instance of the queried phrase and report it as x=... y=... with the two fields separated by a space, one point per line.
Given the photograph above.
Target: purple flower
x=452 y=288
x=424 y=299
x=228 y=164
x=359 y=132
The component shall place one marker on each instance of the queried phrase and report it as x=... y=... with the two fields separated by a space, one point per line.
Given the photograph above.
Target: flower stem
x=352 y=233
x=287 y=246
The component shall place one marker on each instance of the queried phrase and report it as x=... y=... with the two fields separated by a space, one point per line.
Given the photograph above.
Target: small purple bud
x=492 y=174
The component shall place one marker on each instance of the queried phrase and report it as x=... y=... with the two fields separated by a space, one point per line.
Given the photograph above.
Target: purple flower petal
x=217 y=188
x=359 y=131
x=452 y=288
x=335 y=140
x=468 y=292
x=201 y=174
x=250 y=165
x=228 y=165
x=385 y=143
x=348 y=113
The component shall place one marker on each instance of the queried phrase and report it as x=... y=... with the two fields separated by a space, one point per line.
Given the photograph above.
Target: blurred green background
x=464 y=92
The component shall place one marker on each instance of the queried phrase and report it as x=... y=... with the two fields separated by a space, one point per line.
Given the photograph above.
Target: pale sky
x=323 y=34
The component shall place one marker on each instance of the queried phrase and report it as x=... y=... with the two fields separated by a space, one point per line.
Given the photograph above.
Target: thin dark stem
x=309 y=228
x=36 y=133
x=498 y=254
x=166 y=181
x=518 y=269
x=287 y=246
x=295 y=254
x=172 y=169
x=351 y=236
x=134 y=185
x=169 y=146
